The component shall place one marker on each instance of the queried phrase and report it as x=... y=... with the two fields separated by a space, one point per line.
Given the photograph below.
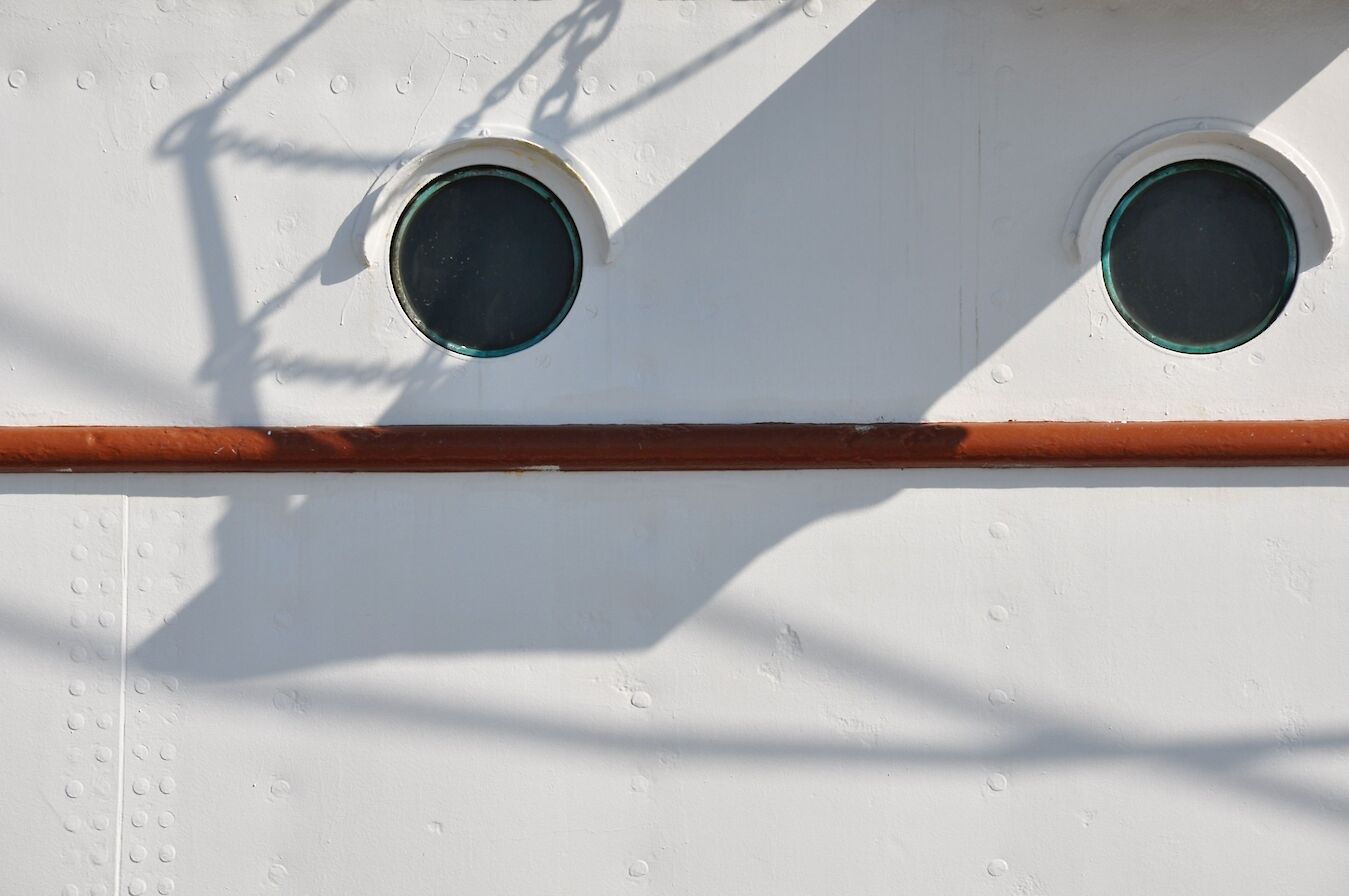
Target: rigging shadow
x=838 y=241
x=840 y=251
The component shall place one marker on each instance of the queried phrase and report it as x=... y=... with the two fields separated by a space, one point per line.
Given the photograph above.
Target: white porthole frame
x=1309 y=203
x=596 y=219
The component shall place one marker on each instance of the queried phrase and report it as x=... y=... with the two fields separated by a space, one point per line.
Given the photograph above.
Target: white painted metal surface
x=1036 y=683
x=842 y=211
x=864 y=682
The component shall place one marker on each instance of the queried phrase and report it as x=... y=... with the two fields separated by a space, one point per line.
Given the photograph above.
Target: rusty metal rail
x=661 y=447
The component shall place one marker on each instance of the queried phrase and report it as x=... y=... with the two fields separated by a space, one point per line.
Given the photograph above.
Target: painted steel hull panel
x=803 y=681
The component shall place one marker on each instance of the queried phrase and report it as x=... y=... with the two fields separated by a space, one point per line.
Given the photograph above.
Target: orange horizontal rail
x=659 y=447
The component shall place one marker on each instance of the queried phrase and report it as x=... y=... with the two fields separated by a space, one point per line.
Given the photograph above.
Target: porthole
x=486 y=261
x=1200 y=256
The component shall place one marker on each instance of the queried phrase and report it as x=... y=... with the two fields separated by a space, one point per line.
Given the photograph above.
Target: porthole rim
x=1209 y=164
x=442 y=179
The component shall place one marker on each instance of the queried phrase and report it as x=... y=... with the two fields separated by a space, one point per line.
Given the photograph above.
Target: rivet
x=145 y=549
x=79 y=552
x=137 y=853
x=74 y=789
x=999 y=697
x=813 y=8
x=1257 y=359
x=141 y=685
x=85 y=81
x=997 y=868
x=106 y=619
x=98 y=890
x=100 y=822
x=166 y=886
x=170 y=683
x=339 y=84
x=136 y=887
x=1001 y=374
x=75 y=722
x=999 y=530
x=72 y=823
x=167 y=853
x=105 y=721
x=77 y=688
x=280 y=787
x=145 y=583
x=641 y=700
x=285 y=74
x=167 y=785
x=79 y=585
x=140 y=751
x=304 y=7
x=231 y=78
x=106 y=651
x=79 y=653
x=997 y=782
x=1170 y=368
x=103 y=754
x=70 y=890
x=638 y=868
x=78 y=619
x=590 y=85
x=81 y=520
x=168 y=752
x=646 y=78
x=166 y=5
x=998 y=613
x=107 y=586
x=640 y=783
x=139 y=818
x=107 y=519
x=158 y=81
x=1307 y=306
x=529 y=85
x=403 y=85
x=140 y=787
x=166 y=819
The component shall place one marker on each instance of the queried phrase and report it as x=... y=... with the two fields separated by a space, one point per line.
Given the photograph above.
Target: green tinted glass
x=486 y=261
x=1200 y=256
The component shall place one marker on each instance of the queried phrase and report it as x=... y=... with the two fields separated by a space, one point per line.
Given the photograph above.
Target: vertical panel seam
x=121 y=697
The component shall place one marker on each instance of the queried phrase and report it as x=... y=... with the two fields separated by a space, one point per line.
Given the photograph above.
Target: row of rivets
x=149 y=851
x=94 y=599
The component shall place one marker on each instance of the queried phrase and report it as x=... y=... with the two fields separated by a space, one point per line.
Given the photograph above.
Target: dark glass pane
x=486 y=261
x=1200 y=256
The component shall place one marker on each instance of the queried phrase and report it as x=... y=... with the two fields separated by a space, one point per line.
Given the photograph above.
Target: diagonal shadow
x=832 y=239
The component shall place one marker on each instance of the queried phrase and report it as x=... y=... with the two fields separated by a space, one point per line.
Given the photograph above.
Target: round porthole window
x=1200 y=256
x=486 y=261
